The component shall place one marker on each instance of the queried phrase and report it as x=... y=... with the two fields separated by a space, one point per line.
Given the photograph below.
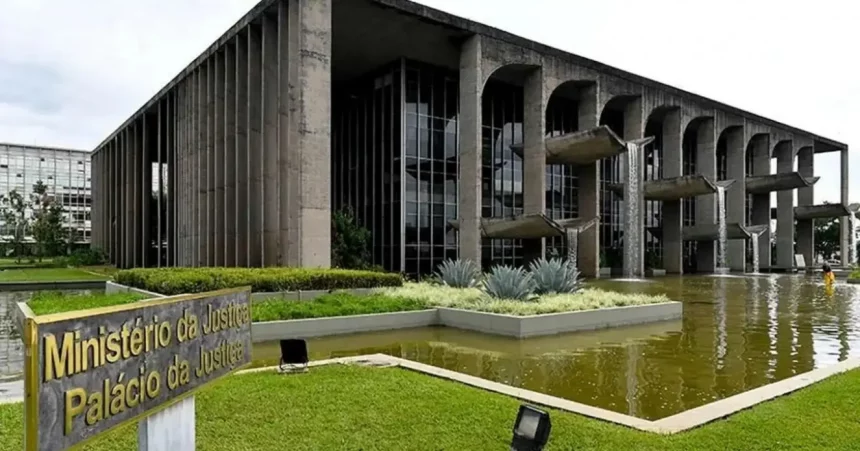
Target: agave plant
x=459 y=273
x=554 y=276
x=505 y=282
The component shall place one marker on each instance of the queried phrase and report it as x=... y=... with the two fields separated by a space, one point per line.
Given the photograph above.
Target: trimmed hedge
x=171 y=281
x=332 y=305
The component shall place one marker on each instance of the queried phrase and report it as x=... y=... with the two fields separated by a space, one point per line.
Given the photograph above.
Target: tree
x=48 y=220
x=13 y=209
x=827 y=237
x=349 y=241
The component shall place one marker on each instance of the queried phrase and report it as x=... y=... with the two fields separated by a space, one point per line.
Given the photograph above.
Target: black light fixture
x=294 y=355
x=531 y=430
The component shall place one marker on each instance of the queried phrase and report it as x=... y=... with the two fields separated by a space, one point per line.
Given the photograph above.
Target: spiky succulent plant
x=459 y=273
x=505 y=282
x=554 y=276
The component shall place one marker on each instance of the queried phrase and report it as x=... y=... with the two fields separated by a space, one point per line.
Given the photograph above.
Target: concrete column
x=534 y=161
x=305 y=107
x=588 y=252
x=180 y=176
x=216 y=214
x=845 y=224
x=634 y=128
x=95 y=196
x=806 y=196
x=202 y=165
x=271 y=152
x=242 y=151
x=706 y=164
x=785 y=208
x=469 y=197
x=210 y=191
x=173 y=143
x=115 y=196
x=128 y=197
x=673 y=248
x=148 y=143
x=228 y=164
x=736 y=196
x=255 y=147
x=161 y=134
x=761 y=202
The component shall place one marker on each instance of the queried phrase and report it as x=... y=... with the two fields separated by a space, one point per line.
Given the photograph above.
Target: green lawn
x=329 y=305
x=356 y=408
x=48 y=275
x=47 y=302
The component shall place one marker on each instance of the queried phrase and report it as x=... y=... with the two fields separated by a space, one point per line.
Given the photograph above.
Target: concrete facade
x=244 y=138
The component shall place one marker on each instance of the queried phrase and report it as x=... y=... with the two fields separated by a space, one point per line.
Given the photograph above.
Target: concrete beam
x=471 y=88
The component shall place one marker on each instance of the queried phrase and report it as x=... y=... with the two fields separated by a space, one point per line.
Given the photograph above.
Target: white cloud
x=791 y=61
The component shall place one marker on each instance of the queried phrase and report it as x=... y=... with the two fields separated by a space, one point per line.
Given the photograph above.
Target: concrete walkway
x=11 y=392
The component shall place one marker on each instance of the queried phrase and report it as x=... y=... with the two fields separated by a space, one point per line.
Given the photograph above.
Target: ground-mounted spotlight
x=294 y=356
x=531 y=430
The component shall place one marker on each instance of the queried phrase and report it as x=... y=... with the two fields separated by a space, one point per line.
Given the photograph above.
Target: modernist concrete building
x=447 y=138
x=65 y=172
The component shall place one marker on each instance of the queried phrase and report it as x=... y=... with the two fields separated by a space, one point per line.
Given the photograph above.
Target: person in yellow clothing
x=829 y=277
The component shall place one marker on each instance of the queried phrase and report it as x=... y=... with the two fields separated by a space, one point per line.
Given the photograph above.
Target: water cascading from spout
x=722 y=241
x=632 y=228
x=852 y=239
x=572 y=238
x=755 y=263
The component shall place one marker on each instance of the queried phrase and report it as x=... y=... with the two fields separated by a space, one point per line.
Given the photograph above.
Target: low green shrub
x=171 y=281
x=47 y=302
x=331 y=305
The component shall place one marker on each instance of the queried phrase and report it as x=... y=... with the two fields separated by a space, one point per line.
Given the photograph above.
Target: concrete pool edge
x=854 y=281
x=681 y=422
x=490 y=323
x=53 y=285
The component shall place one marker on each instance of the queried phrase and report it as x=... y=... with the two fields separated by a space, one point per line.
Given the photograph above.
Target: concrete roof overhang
x=763 y=184
x=584 y=147
x=676 y=187
x=529 y=226
x=824 y=211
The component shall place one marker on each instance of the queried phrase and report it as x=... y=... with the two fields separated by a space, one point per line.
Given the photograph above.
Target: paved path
x=11 y=392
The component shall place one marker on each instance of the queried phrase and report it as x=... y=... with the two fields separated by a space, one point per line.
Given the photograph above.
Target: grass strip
x=348 y=407
x=332 y=305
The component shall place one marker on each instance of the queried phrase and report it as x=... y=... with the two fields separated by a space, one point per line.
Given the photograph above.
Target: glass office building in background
x=66 y=173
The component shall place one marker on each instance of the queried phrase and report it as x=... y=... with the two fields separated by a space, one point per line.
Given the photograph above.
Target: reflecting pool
x=737 y=333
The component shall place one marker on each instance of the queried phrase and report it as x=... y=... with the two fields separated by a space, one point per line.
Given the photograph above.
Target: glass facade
x=562 y=185
x=65 y=172
x=502 y=179
x=611 y=213
x=366 y=159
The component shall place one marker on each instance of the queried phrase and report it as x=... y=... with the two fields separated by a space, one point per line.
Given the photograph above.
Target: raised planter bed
x=854 y=281
x=305 y=295
x=113 y=287
x=655 y=272
x=556 y=323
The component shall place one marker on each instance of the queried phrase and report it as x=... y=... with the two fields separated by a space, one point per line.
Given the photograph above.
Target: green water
x=736 y=334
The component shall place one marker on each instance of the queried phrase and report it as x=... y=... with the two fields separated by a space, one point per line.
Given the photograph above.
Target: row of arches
x=577 y=105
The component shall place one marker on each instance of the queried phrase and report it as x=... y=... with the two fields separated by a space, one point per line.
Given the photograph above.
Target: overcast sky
x=72 y=71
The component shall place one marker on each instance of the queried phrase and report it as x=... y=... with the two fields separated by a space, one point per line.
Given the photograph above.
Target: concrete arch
x=781 y=146
x=583 y=92
x=514 y=73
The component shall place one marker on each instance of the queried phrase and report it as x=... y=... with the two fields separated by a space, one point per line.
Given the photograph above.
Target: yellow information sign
x=92 y=370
